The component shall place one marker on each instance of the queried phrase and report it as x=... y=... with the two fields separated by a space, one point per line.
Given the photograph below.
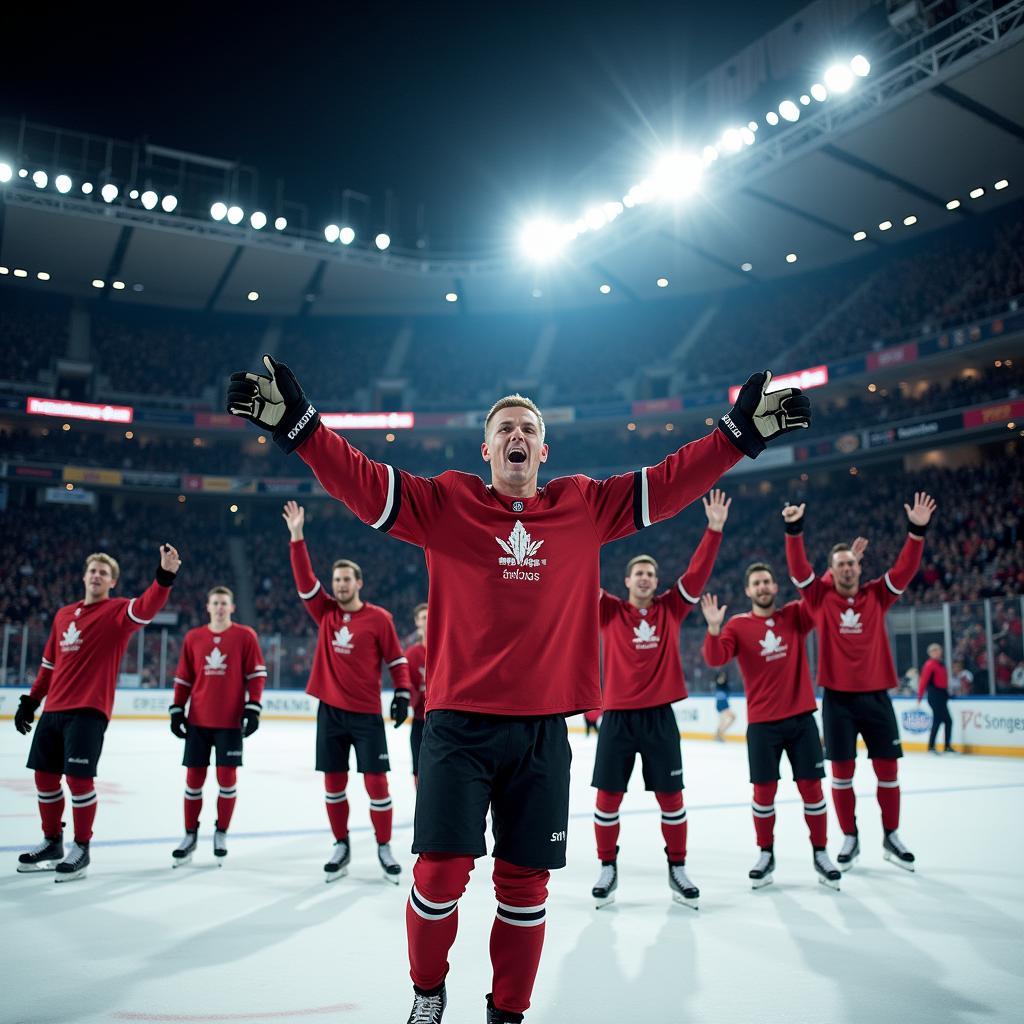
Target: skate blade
x=829 y=883
x=31 y=869
x=393 y=879
x=334 y=876
x=846 y=867
x=603 y=901
x=760 y=883
x=180 y=862
x=70 y=876
x=685 y=901
x=893 y=859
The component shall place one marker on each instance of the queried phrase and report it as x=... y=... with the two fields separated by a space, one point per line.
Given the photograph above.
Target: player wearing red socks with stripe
x=769 y=643
x=77 y=678
x=512 y=643
x=416 y=652
x=353 y=638
x=220 y=674
x=643 y=677
x=855 y=669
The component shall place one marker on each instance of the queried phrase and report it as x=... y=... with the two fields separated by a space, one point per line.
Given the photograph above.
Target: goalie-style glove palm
x=275 y=403
x=400 y=707
x=758 y=417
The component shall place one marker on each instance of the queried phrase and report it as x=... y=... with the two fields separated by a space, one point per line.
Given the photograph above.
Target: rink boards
x=981 y=725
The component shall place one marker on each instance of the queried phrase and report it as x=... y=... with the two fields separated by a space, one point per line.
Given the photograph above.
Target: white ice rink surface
x=264 y=939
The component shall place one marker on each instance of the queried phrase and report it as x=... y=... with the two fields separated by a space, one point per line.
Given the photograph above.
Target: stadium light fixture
x=169 y=204
x=87 y=188
x=134 y=194
x=839 y=78
x=595 y=218
x=662 y=282
x=543 y=240
x=710 y=154
x=97 y=283
x=43 y=275
x=791 y=257
x=451 y=297
x=885 y=225
x=253 y=296
x=953 y=204
x=219 y=211
x=605 y=289
x=909 y=221
x=347 y=235
x=747 y=136
x=859 y=236
x=258 y=220
x=39 y=179
x=752 y=125
x=732 y=140
x=118 y=286
x=805 y=100
x=331 y=233
x=772 y=118
x=281 y=223
x=235 y=214
x=789 y=110
x=4 y=270
x=109 y=193
x=150 y=199
x=1001 y=184
x=677 y=175
x=18 y=272
x=860 y=66
x=977 y=193
x=63 y=184
x=6 y=173
x=746 y=267
x=819 y=92
x=382 y=241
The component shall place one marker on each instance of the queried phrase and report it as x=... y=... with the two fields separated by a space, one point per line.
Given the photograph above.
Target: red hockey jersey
x=417 y=655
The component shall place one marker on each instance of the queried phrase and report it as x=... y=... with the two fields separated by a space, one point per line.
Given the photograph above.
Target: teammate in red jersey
x=353 y=638
x=511 y=642
x=855 y=669
x=769 y=643
x=220 y=674
x=416 y=652
x=643 y=677
x=77 y=678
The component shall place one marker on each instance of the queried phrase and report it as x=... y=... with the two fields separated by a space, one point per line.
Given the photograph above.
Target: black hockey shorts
x=338 y=731
x=68 y=742
x=517 y=767
x=845 y=715
x=797 y=736
x=416 y=741
x=200 y=740
x=650 y=732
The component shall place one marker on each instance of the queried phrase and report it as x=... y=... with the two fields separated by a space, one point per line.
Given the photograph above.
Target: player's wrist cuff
x=916 y=529
x=741 y=432
x=254 y=705
x=795 y=529
x=165 y=577
x=176 y=708
x=298 y=423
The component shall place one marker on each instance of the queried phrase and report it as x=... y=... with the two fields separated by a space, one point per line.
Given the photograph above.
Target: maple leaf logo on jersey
x=342 y=641
x=645 y=636
x=519 y=547
x=849 y=622
x=772 y=646
x=216 y=662
x=71 y=639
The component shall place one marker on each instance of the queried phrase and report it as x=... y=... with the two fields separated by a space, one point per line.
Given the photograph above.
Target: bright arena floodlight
x=39 y=179
x=732 y=140
x=347 y=235
x=109 y=193
x=860 y=66
x=235 y=214
x=62 y=183
x=839 y=78
x=748 y=136
x=281 y=223
x=710 y=154
x=258 y=220
x=678 y=175
x=87 y=188
x=451 y=297
x=169 y=204
x=219 y=211
x=772 y=118
x=819 y=92
x=150 y=199
x=542 y=240
x=382 y=241
x=789 y=110
x=331 y=233
x=6 y=173
x=595 y=218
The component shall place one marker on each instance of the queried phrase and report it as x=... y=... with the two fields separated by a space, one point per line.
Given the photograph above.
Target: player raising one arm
x=220 y=674
x=77 y=678
x=769 y=643
x=512 y=642
x=855 y=669
x=643 y=677
x=353 y=638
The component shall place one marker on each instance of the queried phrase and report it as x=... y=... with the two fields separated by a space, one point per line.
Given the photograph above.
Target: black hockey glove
x=25 y=714
x=757 y=417
x=177 y=720
x=400 y=707
x=275 y=403
x=251 y=717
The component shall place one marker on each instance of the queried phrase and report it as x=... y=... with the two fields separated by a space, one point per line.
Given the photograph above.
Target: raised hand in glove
x=25 y=714
x=759 y=417
x=400 y=707
x=177 y=720
x=275 y=403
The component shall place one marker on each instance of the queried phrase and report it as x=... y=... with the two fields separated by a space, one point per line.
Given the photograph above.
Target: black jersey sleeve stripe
x=638 y=500
x=391 y=514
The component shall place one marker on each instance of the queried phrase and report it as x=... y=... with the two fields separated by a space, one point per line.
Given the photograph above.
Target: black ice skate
x=607 y=882
x=496 y=1016
x=849 y=853
x=337 y=866
x=43 y=857
x=182 y=853
x=894 y=850
x=391 y=868
x=761 y=873
x=220 y=843
x=428 y=1007
x=684 y=891
x=828 y=873
x=74 y=864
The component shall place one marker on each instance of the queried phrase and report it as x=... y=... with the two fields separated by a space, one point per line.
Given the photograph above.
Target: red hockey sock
x=517 y=937
x=432 y=914
x=764 y=813
x=673 y=825
x=227 y=779
x=380 y=805
x=335 y=784
x=888 y=792
x=843 y=798
x=606 y=825
x=83 y=806
x=194 y=779
x=50 y=795
x=815 y=811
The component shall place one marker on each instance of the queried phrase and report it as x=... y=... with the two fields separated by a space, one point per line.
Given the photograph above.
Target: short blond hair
x=640 y=560
x=220 y=589
x=516 y=401
x=108 y=560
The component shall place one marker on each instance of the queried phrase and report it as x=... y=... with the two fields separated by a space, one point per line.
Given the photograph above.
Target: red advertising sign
x=1000 y=412
x=897 y=355
x=79 y=410
x=368 y=420
x=815 y=377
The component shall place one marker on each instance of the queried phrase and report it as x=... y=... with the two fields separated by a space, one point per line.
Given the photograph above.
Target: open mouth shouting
x=516 y=455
